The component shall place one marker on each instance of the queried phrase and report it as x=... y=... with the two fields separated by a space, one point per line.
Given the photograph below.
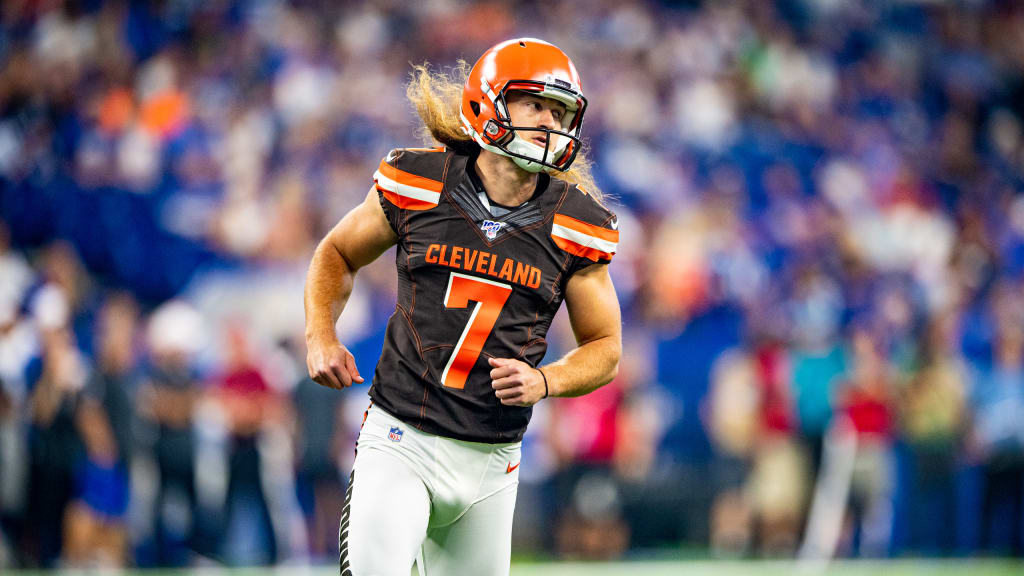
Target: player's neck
x=506 y=183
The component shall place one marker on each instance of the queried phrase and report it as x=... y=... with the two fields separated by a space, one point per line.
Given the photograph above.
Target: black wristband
x=545 y=377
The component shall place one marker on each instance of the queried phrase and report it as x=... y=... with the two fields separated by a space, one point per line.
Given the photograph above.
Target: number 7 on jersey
x=489 y=298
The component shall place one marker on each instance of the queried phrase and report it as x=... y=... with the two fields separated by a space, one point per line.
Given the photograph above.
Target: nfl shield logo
x=491 y=228
x=395 y=434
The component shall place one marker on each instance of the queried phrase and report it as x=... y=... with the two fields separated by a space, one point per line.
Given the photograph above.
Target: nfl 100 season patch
x=395 y=434
x=491 y=228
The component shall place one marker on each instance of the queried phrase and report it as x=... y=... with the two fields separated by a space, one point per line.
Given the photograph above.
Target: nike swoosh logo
x=511 y=467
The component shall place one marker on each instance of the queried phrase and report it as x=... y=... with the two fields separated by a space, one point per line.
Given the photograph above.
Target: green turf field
x=651 y=568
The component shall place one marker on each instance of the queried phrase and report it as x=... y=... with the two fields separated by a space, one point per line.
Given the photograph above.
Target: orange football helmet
x=529 y=65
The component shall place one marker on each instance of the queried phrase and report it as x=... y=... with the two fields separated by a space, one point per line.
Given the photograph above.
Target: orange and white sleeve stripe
x=582 y=239
x=405 y=190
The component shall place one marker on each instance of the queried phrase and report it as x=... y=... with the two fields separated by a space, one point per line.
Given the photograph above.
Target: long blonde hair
x=438 y=98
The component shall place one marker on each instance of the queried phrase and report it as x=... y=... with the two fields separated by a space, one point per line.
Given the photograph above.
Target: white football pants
x=445 y=504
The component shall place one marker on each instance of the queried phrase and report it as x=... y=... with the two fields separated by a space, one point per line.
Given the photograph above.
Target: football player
x=494 y=229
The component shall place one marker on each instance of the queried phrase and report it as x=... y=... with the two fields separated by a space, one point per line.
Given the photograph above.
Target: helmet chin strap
x=528 y=165
x=519 y=145
x=522 y=146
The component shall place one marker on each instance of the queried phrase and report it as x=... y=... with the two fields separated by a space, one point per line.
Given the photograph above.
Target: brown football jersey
x=472 y=286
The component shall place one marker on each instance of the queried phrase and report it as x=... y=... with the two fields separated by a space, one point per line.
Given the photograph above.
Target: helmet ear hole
x=475 y=106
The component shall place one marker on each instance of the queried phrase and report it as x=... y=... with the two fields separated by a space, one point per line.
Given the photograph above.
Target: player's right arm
x=358 y=239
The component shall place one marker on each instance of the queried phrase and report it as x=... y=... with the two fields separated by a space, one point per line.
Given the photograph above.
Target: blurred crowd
x=821 y=272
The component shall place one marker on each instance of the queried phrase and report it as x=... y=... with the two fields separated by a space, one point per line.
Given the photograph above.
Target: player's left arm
x=596 y=321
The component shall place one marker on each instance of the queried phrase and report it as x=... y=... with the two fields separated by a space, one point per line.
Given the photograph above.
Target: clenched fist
x=331 y=364
x=515 y=382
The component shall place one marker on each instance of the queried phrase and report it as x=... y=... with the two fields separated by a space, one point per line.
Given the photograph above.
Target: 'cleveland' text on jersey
x=472 y=286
